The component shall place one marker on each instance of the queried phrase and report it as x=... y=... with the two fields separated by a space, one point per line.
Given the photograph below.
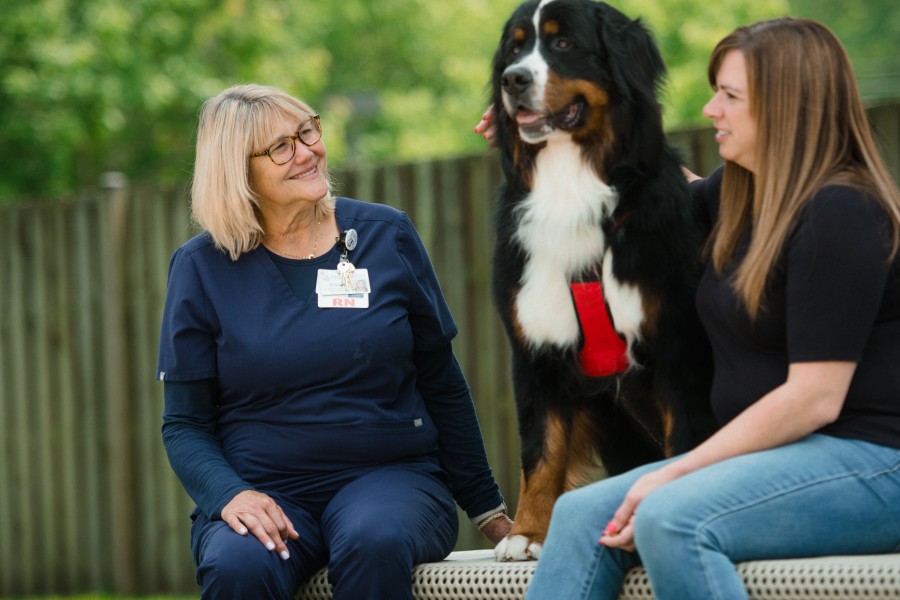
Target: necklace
x=315 y=242
x=310 y=256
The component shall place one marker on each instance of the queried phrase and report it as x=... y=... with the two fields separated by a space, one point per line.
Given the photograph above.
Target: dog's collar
x=619 y=220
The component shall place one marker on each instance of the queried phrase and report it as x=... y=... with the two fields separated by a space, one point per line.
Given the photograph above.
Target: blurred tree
x=88 y=86
x=408 y=78
x=870 y=32
x=687 y=31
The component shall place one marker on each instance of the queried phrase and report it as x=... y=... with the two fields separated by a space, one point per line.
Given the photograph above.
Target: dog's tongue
x=523 y=117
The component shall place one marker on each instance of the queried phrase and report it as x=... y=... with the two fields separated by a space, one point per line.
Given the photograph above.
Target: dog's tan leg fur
x=568 y=458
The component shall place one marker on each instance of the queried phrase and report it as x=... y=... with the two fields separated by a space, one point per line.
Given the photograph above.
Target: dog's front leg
x=540 y=486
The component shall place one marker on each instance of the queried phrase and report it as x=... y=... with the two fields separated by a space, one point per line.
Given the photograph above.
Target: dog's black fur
x=601 y=73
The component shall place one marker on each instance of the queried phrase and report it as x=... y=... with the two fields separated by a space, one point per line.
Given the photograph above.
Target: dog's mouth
x=534 y=125
x=571 y=116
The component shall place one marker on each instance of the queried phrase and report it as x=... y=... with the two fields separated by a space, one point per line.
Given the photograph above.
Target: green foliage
x=88 y=86
x=686 y=31
x=869 y=31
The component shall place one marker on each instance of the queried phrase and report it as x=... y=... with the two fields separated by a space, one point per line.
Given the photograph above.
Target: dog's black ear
x=498 y=65
x=635 y=64
x=502 y=120
x=636 y=70
x=505 y=128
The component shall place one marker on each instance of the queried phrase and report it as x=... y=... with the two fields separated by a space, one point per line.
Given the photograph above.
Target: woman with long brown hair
x=801 y=301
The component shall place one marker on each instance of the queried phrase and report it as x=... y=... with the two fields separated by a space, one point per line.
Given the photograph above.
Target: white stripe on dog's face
x=535 y=63
x=539 y=70
x=540 y=6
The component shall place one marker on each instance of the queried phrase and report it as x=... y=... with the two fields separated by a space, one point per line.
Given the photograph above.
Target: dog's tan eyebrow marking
x=519 y=34
x=551 y=27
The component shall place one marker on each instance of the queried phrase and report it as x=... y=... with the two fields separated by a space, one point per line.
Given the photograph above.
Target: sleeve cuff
x=478 y=519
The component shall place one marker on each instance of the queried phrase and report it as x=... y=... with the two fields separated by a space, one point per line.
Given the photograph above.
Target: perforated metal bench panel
x=474 y=575
x=820 y=578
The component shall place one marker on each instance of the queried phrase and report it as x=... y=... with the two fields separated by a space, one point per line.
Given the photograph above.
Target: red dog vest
x=604 y=352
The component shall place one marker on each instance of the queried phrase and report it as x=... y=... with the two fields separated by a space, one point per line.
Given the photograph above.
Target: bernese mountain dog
x=597 y=257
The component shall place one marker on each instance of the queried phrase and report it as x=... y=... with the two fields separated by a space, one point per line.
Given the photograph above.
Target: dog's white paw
x=516 y=548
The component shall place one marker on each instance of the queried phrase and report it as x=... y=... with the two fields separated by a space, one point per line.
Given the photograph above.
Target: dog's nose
x=516 y=80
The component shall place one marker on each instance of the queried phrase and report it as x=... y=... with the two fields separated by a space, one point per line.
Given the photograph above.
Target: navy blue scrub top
x=305 y=390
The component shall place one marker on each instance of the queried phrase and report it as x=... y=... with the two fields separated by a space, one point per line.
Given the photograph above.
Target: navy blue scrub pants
x=370 y=533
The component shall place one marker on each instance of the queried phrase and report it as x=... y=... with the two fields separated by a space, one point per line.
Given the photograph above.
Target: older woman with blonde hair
x=801 y=301
x=225 y=201
x=314 y=410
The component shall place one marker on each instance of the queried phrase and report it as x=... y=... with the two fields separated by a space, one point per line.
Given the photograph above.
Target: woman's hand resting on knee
x=255 y=512
x=619 y=532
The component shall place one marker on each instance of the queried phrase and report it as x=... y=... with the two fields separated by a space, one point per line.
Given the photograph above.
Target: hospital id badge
x=343 y=287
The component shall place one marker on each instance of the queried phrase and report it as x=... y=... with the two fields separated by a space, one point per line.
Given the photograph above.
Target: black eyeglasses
x=283 y=150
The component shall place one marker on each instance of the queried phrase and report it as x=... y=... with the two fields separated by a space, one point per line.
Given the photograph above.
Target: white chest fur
x=559 y=230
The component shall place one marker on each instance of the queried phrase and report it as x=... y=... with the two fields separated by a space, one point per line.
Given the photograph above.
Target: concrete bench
x=474 y=575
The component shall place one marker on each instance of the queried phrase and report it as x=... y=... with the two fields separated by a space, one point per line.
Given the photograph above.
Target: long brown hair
x=812 y=130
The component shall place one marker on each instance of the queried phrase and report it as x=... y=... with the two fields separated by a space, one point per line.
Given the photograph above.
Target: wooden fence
x=87 y=499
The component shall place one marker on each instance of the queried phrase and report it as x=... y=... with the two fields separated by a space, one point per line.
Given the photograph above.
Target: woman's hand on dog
x=688 y=174
x=254 y=512
x=486 y=126
x=497 y=529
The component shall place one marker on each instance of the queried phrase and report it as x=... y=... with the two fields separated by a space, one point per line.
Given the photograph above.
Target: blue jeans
x=819 y=496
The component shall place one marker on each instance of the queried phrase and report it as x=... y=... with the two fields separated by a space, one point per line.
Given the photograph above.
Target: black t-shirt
x=833 y=295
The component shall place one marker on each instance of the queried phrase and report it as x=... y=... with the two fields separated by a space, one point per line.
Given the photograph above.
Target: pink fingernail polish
x=611 y=528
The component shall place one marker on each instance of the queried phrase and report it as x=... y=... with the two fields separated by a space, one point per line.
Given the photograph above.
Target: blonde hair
x=232 y=125
x=812 y=130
